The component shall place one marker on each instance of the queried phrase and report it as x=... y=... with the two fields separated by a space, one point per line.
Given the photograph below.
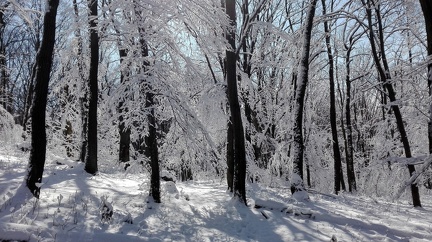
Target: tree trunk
x=239 y=184
x=352 y=185
x=4 y=78
x=29 y=96
x=338 y=174
x=230 y=155
x=151 y=147
x=427 y=13
x=300 y=92
x=84 y=98
x=91 y=154
x=385 y=77
x=125 y=132
x=43 y=65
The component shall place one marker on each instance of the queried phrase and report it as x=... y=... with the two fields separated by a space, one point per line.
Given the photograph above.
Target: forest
x=303 y=106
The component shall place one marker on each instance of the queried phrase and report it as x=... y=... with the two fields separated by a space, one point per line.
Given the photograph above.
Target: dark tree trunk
x=230 y=156
x=352 y=185
x=4 y=81
x=338 y=174
x=31 y=86
x=84 y=122
x=427 y=13
x=29 y=97
x=239 y=182
x=300 y=92
x=151 y=147
x=185 y=171
x=43 y=65
x=385 y=77
x=91 y=165
x=125 y=132
x=84 y=98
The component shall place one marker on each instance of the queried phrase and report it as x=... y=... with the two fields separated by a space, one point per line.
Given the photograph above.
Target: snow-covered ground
x=70 y=209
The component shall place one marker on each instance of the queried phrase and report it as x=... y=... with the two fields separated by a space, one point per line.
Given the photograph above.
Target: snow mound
x=171 y=189
x=167 y=176
x=9 y=131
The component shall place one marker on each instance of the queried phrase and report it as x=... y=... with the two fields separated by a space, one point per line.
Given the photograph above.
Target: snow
x=71 y=203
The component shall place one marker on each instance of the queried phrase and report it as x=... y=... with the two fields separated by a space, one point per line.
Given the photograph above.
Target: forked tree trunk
x=352 y=185
x=385 y=78
x=91 y=165
x=338 y=174
x=43 y=65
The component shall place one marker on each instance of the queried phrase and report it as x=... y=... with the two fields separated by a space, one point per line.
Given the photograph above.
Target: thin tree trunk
x=44 y=59
x=239 y=183
x=230 y=155
x=338 y=174
x=125 y=132
x=4 y=81
x=300 y=92
x=91 y=165
x=29 y=97
x=385 y=77
x=352 y=185
x=84 y=98
x=151 y=147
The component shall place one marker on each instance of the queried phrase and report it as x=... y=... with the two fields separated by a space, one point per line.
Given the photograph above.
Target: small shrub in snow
x=167 y=176
x=128 y=219
x=106 y=209
x=24 y=146
x=59 y=199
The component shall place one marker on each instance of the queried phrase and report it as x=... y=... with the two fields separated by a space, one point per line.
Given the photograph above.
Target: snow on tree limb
x=414 y=177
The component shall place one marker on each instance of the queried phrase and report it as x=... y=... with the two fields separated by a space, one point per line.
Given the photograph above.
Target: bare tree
x=349 y=149
x=379 y=56
x=338 y=174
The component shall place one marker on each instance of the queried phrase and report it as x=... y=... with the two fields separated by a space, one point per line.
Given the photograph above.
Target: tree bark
x=300 y=92
x=4 y=78
x=427 y=13
x=84 y=98
x=352 y=185
x=43 y=65
x=338 y=174
x=125 y=132
x=426 y=6
x=239 y=182
x=384 y=74
x=91 y=165
x=151 y=147
x=230 y=155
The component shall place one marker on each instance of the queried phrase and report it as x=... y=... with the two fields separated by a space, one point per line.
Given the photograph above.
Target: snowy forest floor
x=69 y=209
